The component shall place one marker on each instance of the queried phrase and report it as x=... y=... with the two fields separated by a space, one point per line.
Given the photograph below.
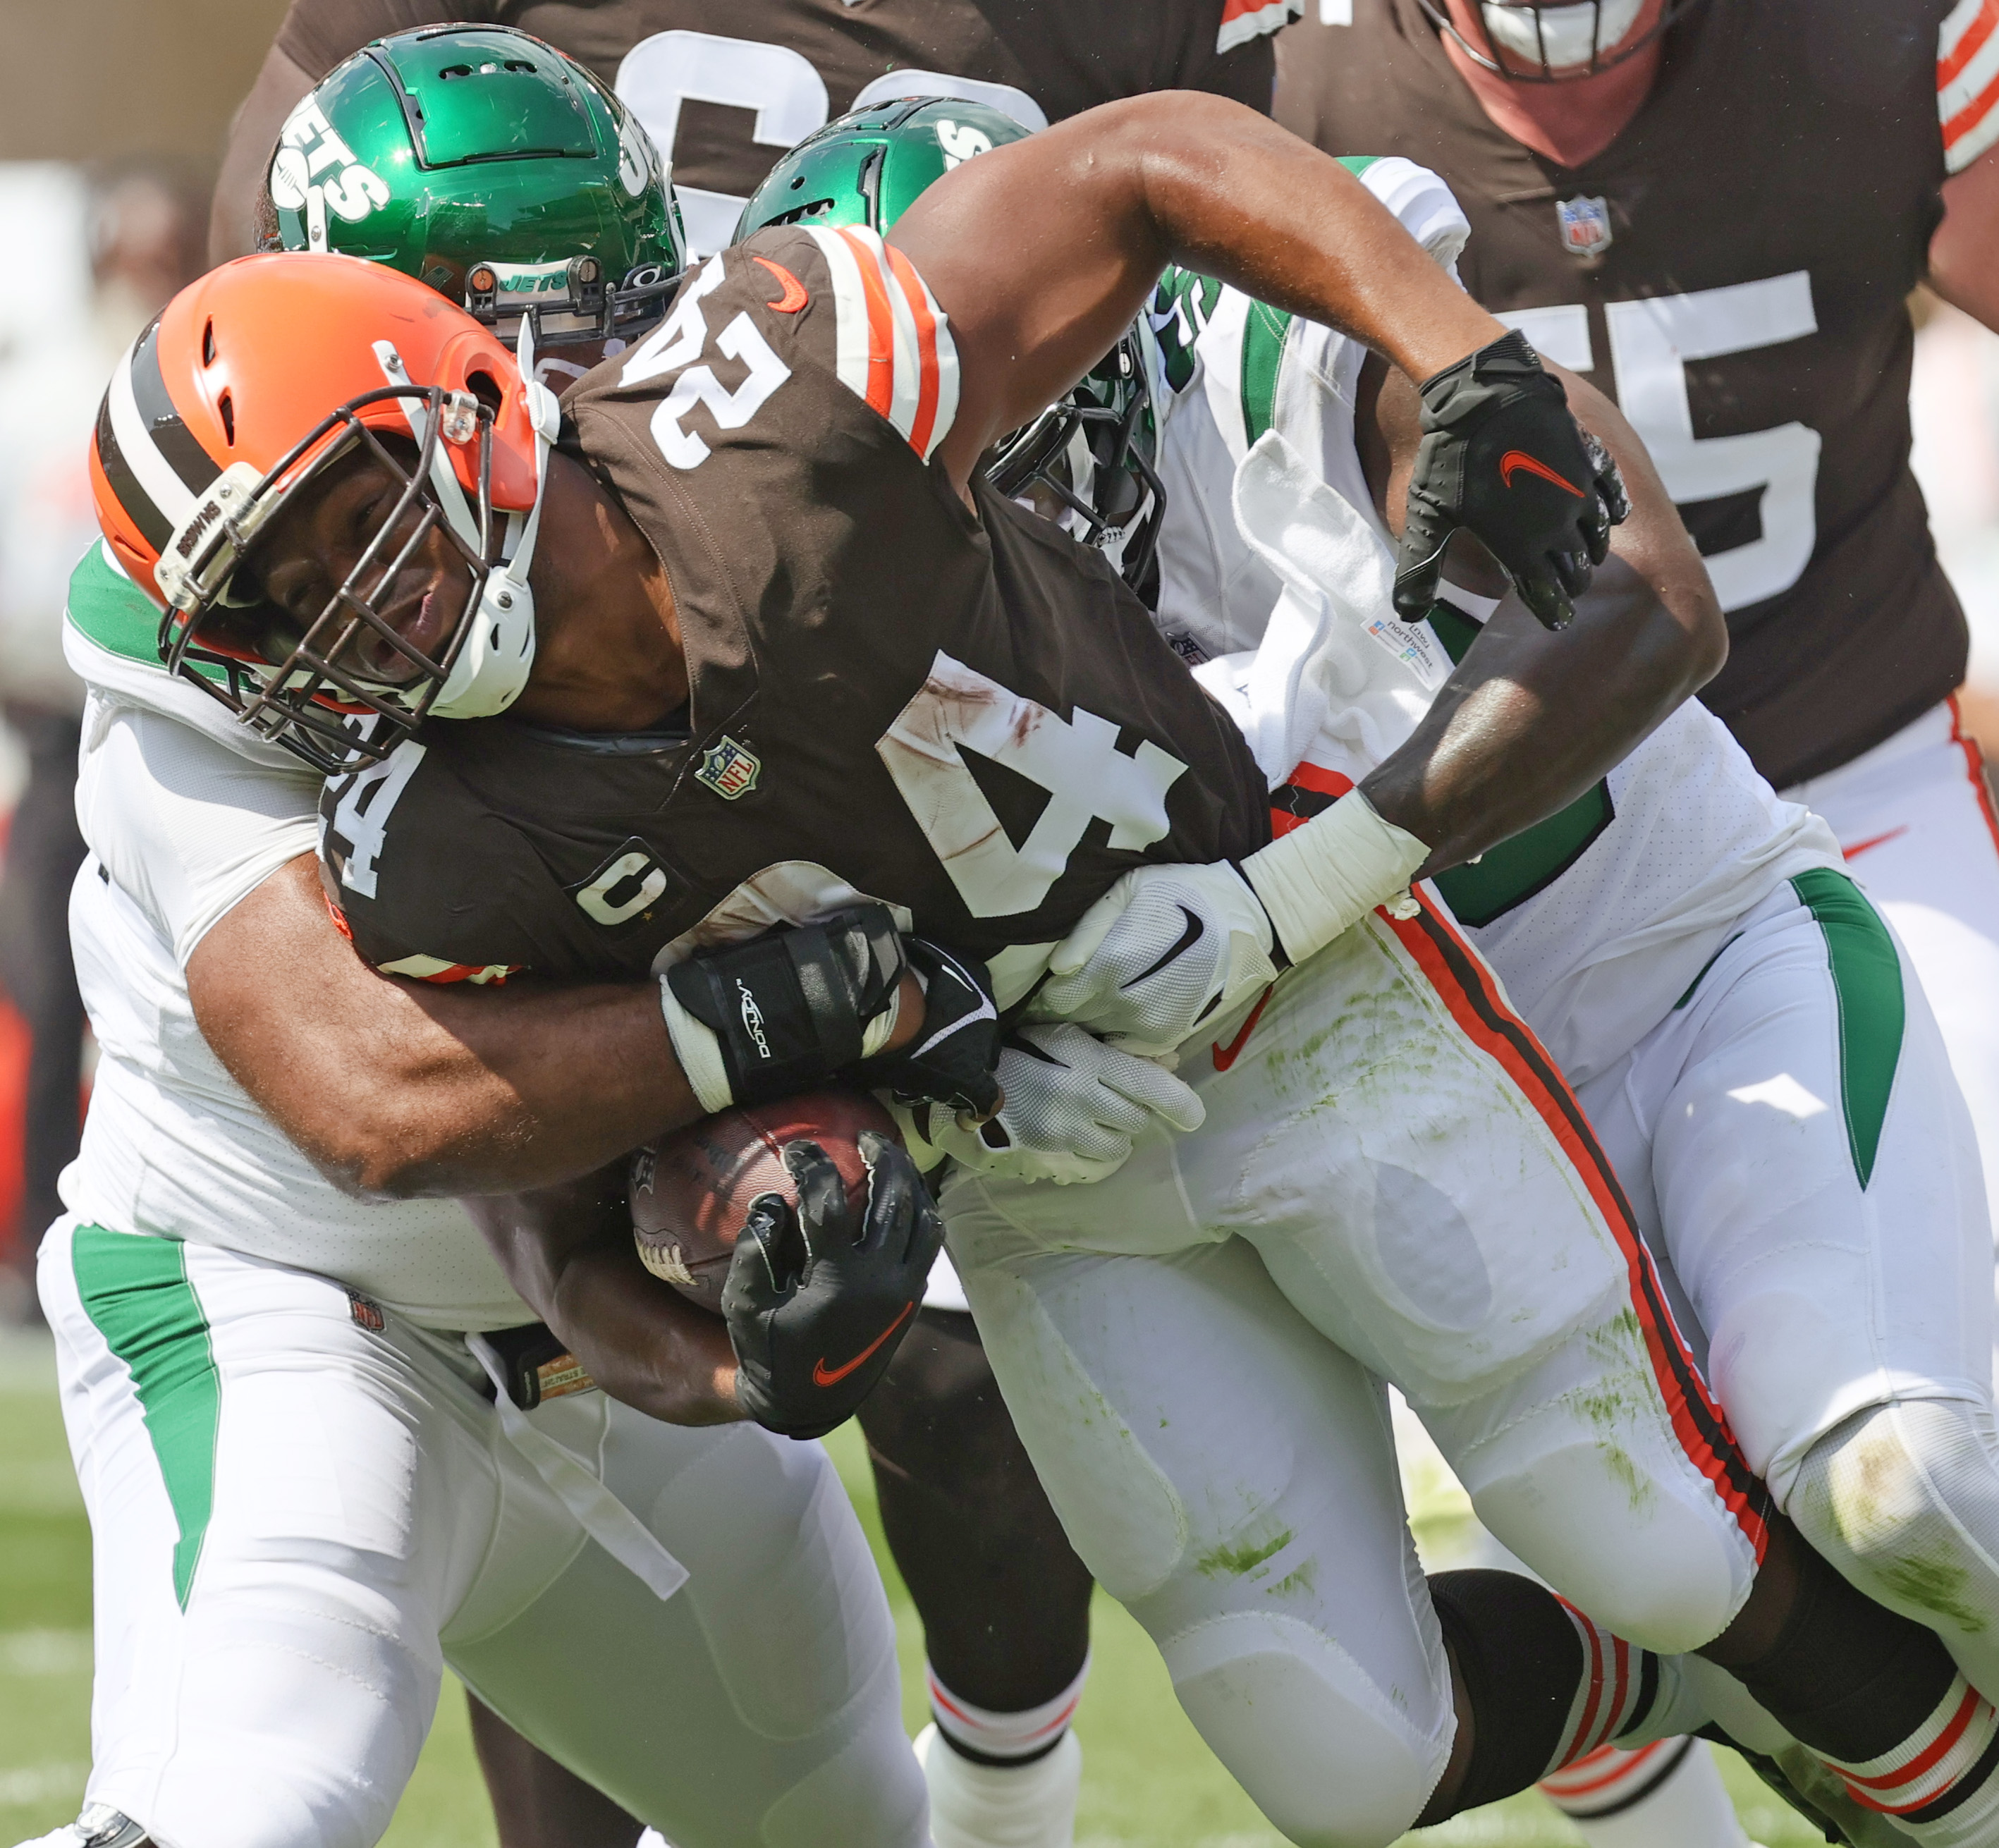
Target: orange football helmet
x=252 y=383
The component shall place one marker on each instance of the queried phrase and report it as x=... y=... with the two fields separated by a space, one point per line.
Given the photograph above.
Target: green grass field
x=1147 y=1778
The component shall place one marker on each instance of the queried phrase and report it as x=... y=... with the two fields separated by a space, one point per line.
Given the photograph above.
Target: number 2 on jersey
x=680 y=339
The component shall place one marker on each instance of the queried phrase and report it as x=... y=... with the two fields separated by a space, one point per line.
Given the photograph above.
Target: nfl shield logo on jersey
x=729 y=769
x=1586 y=225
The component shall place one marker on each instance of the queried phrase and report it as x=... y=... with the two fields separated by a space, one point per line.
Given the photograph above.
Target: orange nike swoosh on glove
x=1515 y=459
x=823 y=1375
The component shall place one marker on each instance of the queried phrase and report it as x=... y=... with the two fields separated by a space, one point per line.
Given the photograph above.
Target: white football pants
x=1915 y=821
x=1793 y=1141
x=1392 y=1183
x=298 y=1519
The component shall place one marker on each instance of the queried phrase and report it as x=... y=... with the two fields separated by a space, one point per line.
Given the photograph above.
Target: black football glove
x=818 y=1300
x=1503 y=457
x=783 y=1013
x=952 y=1060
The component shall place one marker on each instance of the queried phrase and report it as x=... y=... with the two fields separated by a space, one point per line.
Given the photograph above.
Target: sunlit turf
x=1147 y=1778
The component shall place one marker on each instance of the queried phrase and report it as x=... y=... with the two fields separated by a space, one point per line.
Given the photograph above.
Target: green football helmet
x=1088 y=459
x=487 y=164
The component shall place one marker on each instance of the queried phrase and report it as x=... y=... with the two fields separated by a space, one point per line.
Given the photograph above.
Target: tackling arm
x=568 y=1249
x=1530 y=720
x=401 y=1088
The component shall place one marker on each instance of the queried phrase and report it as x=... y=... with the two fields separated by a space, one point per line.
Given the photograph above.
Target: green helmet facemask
x=1087 y=459
x=488 y=165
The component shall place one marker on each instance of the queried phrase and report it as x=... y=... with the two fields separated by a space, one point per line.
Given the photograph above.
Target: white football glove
x=1073 y=1106
x=1165 y=950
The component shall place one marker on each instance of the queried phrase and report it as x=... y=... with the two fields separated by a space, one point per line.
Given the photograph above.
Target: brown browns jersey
x=966 y=714
x=1732 y=269
x=725 y=86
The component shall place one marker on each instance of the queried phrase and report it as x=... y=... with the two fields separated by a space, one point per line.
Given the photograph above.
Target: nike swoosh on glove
x=950 y=1060
x=818 y=1297
x=1503 y=457
x=1165 y=950
x=1073 y=1106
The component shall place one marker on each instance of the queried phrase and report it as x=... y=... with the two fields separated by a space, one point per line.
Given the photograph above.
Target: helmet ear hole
x=484 y=388
x=228 y=407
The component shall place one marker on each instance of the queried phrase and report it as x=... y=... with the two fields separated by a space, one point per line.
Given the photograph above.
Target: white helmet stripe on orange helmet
x=169 y=496
x=161 y=452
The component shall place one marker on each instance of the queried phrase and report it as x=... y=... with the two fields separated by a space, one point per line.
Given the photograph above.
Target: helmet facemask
x=570 y=304
x=1569 y=41
x=1086 y=461
x=315 y=697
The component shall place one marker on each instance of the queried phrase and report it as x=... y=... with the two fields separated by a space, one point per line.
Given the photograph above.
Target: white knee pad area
x=1675 y=1579
x=1904 y=1499
x=1329 y=1761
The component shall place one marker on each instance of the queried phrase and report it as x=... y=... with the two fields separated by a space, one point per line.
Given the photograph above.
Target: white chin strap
x=1563 y=35
x=499 y=653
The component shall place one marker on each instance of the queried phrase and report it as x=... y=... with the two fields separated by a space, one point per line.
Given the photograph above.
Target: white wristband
x=1321 y=879
x=699 y=1052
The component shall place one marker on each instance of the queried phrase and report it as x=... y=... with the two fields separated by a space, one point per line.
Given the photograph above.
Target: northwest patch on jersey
x=967 y=715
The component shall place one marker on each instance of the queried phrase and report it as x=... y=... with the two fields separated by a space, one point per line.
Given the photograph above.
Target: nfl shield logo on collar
x=1586 y=225
x=729 y=769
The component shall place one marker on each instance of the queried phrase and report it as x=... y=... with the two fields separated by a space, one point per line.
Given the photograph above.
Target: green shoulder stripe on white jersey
x=1264 y=333
x=136 y=1290
x=107 y=608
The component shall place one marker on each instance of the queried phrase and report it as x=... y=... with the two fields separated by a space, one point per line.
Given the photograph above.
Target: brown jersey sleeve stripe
x=1243 y=20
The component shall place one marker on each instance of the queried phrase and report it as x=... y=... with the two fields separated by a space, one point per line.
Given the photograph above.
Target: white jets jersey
x=1275 y=571
x=185 y=814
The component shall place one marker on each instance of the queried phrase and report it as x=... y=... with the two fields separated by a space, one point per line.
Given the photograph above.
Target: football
x=691 y=1191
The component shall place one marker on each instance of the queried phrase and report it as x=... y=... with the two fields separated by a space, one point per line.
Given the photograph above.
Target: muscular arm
x=401 y=1088
x=252 y=134
x=1530 y=719
x=568 y=1251
x=1042 y=252
x=1964 y=249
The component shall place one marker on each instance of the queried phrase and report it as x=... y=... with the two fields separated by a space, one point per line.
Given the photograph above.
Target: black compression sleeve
x=1521 y=1661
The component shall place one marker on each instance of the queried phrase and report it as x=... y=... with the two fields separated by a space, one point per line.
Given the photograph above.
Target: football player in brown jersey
x=820 y=507
x=1717 y=210
x=724 y=88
